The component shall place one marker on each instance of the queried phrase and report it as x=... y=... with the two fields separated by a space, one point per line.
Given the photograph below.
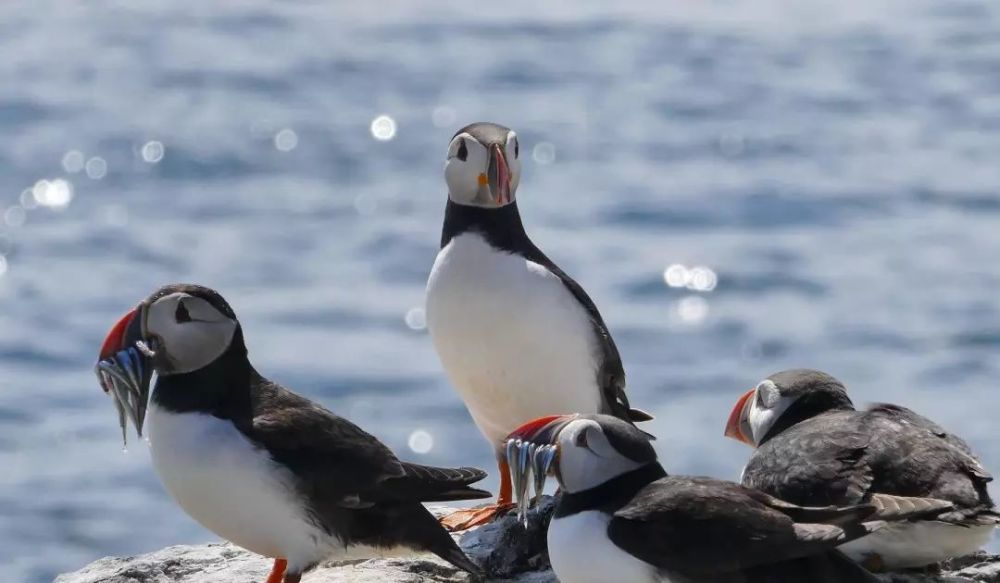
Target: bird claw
x=528 y=462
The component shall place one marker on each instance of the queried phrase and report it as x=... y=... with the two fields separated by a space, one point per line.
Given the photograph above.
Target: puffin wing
x=904 y=415
x=611 y=372
x=818 y=462
x=702 y=527
x=915 y=455
x=342 y=464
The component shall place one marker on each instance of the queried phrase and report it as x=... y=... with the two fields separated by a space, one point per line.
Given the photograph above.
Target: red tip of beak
x=530 y=428
x=115 y=340
x=734 y=426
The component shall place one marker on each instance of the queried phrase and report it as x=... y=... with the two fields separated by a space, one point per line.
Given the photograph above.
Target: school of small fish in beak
x=126 y=377
x=529 y=462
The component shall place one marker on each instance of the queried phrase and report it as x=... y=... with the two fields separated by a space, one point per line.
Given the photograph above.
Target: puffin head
x=483 y=167
x=782 y=400
x=179 y=329
x=584 y=451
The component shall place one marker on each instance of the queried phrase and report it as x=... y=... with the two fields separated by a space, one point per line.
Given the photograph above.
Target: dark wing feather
x=912 y=458
x=904 y=415
x=818 y=462
x=611 y=372
x=700 y=527
x=342 y=464
x=847 y=457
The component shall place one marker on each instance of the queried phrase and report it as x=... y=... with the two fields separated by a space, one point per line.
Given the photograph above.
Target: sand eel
x=620 y=517
x=518 y=338
x=257 y=464
x=813 y=447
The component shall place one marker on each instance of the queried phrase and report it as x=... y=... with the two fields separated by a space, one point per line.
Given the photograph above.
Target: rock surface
x=506 y=549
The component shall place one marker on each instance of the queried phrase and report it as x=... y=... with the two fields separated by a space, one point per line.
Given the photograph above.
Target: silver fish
x=125 y=378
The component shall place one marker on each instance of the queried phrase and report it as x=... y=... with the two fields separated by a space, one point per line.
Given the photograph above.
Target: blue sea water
x=817 y=179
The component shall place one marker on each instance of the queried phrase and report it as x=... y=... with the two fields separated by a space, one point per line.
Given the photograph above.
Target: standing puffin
x=622 y=518
x=813 y=447
x=257 y=464
x=517 y=336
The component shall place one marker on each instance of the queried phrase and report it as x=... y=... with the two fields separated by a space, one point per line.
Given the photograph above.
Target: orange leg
x=277 y=571
x=467 y=518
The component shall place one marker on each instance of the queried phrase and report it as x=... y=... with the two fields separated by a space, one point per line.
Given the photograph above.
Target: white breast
x=581 y=552
x=236 y=490
x=916 y=544
x=513 y=340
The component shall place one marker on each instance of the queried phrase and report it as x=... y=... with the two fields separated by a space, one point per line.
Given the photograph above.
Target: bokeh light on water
x=96 y=168
x=421 y=442
x=383 y=128
x=55 y=194
x=740 y=190
x=286 y=140
x=153 y=151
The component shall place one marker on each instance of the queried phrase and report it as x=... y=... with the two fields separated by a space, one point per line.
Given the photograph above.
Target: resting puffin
x=620 y=517
x=257 y=464
x=517 y=336
x=813 y=447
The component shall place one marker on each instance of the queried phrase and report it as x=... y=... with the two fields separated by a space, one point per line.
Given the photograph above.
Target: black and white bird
x=620 y=517
x=259 y=465
x=517 y=336
x=813 y=447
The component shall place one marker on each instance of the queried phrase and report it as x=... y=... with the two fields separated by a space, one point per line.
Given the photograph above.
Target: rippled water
x=830 y=167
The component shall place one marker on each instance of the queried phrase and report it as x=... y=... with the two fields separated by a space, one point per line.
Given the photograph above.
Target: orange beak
x=498 y=176
x=545 y=428
x=116 y=338
x=734 y=427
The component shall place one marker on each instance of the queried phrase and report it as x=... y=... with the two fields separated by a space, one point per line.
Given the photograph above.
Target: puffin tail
x=638 y=415
x=418 y=529
x=455 y=556
x=433 y=484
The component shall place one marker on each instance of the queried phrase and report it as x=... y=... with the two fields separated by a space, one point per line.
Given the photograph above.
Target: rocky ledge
x=506 y=549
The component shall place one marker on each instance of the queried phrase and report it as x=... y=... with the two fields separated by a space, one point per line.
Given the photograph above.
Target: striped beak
x=498 y=176
x=737 y=427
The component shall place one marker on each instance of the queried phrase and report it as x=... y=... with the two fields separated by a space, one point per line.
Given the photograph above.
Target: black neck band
x=501 y=227
x=614 y=492
x=806 y=407
x=221 y=388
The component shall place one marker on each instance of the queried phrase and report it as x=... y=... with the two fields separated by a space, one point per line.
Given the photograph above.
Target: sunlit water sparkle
x=824 y=174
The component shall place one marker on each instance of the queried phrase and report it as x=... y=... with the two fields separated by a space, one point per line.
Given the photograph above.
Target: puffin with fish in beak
x=517 y=336
x=620 y=517
x=811 y=446
x=256 y=464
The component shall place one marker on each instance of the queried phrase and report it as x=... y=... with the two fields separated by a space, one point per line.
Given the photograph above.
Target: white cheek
x=462 y=176
x=194 y=345
x=761 y=420
x=462 y=181
x=578 y=468
x=515 y=175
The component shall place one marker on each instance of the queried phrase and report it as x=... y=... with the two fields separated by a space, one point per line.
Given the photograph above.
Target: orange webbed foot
x=470 y=517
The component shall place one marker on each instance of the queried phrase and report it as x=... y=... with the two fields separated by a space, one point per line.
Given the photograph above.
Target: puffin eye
x=517 y=148
x=182 y=315
x=463 y=152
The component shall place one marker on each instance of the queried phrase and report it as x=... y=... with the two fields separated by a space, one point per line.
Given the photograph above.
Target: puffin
x=257 y=464
x=620 y=517
x=811 y=446
x=517 y=337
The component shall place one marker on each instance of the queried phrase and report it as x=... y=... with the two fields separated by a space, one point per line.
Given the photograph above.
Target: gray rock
x=507 y=549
